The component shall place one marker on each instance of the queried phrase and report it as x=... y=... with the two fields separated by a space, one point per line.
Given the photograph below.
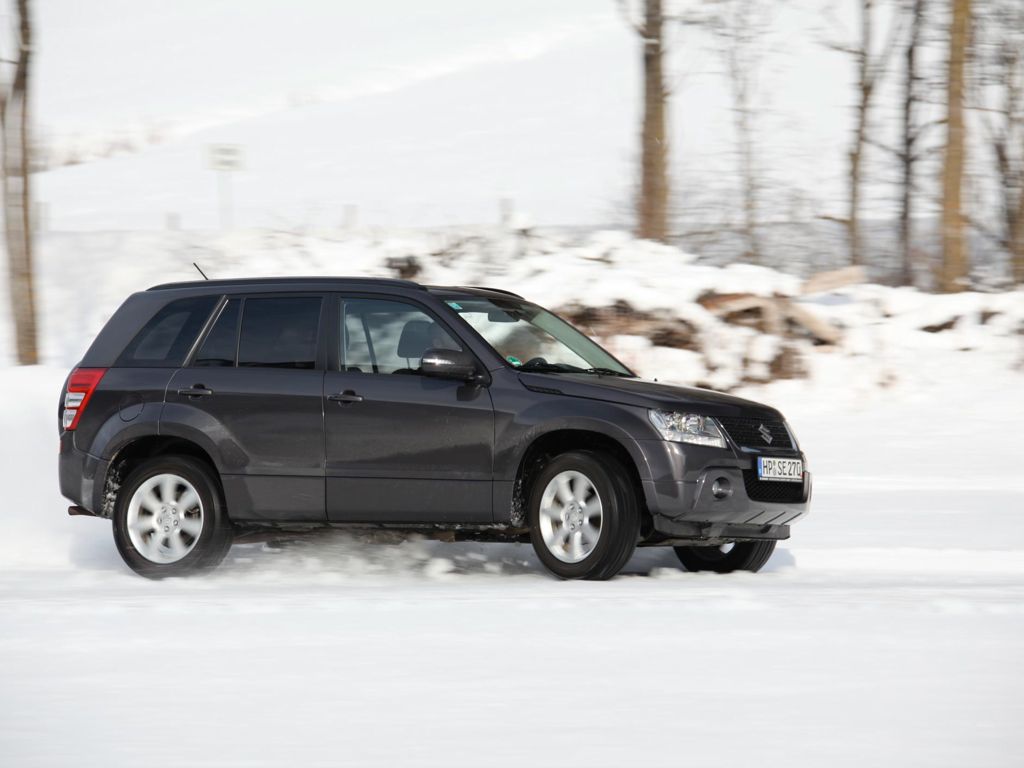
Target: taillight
x=81 y=385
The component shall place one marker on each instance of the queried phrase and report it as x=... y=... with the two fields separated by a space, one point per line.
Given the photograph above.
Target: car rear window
x=164 y=341
x=279 y=332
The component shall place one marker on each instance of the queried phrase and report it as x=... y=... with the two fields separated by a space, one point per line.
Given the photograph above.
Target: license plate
x=780 y=470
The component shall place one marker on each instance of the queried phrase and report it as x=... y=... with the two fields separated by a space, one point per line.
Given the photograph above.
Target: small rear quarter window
x=164 y=341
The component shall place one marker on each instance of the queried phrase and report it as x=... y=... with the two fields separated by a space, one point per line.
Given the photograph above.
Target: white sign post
x=225 y=158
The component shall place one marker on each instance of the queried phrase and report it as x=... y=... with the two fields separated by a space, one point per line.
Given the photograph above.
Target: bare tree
x=15 y=158
x=652 y=202
x=1000 y=78
x=955 y=262
x=911 y=133
x=871 y=67
x=739 y=28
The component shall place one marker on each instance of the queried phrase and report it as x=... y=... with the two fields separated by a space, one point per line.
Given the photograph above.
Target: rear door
x=402 y=447
x=254 y=386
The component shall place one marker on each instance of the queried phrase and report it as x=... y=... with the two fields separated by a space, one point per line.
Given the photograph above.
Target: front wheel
x=740 y=556
x=583 y=515
x=169 y=519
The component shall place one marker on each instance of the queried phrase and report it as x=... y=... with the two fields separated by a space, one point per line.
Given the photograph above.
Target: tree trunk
x=652 y=207
x=17 y=196
x=750 y=212
x=1017 y=238
x=954 y=252
x=864 y=88
x=909 y=144
x=740 y=80
x=853 y=220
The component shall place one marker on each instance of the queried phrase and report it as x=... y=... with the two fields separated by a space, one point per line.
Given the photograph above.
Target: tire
x=157 y=539
x=743 y=556
x=562 y=529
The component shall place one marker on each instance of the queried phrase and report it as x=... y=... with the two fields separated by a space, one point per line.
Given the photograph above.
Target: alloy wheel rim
x=165 y=518
x=571 y=516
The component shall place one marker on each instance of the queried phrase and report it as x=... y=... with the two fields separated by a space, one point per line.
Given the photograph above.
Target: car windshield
x=532 y=339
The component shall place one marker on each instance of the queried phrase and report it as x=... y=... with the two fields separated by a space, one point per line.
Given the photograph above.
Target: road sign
x=226 y=157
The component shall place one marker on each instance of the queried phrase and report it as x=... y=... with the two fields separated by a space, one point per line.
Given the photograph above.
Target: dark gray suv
x=207 y=408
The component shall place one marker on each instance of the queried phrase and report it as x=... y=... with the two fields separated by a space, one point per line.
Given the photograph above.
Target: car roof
x=243 y=283
x=237 y=285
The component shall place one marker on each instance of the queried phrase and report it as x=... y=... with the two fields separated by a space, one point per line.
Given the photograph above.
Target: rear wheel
x=169 y=519
x=583 y=515
x=740 y=556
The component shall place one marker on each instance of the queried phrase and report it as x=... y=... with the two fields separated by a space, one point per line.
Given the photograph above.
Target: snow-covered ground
x=887 y=631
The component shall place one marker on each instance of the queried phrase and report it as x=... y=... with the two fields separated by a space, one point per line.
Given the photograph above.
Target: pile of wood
x=780 y=316
x=777 y=315
x=621 y=319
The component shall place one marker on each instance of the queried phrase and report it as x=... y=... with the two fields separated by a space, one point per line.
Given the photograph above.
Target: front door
x=254 y=389
x=403 y=447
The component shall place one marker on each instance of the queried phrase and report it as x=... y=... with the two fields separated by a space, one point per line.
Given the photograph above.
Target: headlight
x=687 y=428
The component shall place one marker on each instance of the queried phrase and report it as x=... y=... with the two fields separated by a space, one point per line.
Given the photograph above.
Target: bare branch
x=624 y=10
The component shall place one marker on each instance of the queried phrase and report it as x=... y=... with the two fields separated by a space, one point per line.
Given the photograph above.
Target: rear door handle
x=348 y=396
x=197 y=391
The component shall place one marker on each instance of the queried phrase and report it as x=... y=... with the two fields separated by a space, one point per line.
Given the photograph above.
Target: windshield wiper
x=551 y=368
x=567 y=368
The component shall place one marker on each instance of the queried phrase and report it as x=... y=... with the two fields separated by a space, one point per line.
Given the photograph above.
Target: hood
x=645 y=394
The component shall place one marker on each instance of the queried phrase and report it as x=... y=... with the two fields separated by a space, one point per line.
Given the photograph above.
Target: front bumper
x=680 y=496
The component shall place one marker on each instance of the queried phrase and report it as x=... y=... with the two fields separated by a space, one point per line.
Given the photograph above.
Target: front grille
x=772 y=492
x=747 y=432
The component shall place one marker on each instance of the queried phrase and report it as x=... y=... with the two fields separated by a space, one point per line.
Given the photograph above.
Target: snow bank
x=887 y=337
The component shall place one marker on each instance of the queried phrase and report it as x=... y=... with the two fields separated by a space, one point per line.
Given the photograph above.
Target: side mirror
x=448 y=364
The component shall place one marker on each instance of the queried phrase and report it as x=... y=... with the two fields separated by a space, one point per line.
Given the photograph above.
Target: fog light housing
x=721 y=488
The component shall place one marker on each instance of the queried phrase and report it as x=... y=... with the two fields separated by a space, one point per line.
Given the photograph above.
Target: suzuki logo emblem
x=765 y=433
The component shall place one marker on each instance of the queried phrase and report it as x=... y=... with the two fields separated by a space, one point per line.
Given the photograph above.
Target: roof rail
x=244 y=281
x=495 y=290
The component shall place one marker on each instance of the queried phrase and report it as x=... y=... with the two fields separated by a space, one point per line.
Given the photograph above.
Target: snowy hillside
x=419 y=114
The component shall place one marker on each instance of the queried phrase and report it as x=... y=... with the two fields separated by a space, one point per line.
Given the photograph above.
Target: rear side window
x=279 y=332
x=164 y=341
x=221 y=343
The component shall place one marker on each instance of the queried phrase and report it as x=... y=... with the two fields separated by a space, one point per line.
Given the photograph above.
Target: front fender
x=521 y=420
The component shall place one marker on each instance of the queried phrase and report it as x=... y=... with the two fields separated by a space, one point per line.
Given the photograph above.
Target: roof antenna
x=200 y=271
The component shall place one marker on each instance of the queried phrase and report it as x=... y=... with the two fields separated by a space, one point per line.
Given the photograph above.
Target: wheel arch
x=555 y=442
x=139 y=449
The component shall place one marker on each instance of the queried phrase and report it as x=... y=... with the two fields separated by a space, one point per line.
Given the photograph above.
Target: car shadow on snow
x=359 y=555
x=337 y=554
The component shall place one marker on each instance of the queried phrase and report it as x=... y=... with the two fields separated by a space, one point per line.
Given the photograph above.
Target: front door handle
x=197 y=390
x=348 y=396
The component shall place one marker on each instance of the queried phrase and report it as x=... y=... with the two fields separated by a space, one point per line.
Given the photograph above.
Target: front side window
x=279 y=332
x=532 y=339
x=381 y=336
x=165 y=340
